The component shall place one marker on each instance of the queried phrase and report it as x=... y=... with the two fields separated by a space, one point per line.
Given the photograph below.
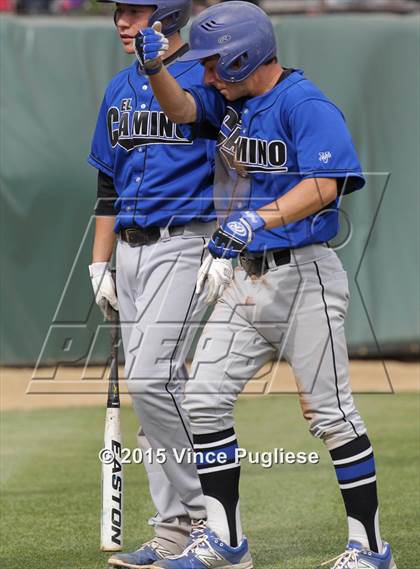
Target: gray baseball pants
x=159 y=312
x=295 y=311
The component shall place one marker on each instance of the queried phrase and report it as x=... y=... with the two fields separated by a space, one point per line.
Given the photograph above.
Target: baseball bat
x=112 y=473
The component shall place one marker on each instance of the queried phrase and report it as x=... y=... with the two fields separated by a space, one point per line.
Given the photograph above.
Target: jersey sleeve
x=106 y=195
x=211 y=105
x=102 y=153
x=323 y=144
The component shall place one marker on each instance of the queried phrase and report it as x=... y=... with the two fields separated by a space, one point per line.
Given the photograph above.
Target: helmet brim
x=194 y=54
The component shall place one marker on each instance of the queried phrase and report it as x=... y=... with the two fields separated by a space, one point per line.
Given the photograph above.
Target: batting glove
x=218 y=274
x=235 y=234
x=104 y=289
x=149 y=46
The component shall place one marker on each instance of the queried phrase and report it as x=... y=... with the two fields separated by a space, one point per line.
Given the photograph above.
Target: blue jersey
x=161 y=176
x=268 y=144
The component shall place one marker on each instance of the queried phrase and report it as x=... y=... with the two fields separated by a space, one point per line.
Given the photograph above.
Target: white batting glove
x=103 y=288
x=218 y=273
x=150 y=46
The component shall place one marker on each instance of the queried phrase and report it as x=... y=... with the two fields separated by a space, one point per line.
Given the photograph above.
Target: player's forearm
x=306 y=198
x=178 y=105
x=104 y=240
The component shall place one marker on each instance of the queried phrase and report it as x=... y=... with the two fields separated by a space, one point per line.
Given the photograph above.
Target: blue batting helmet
x=175 y=12
x=239 y=32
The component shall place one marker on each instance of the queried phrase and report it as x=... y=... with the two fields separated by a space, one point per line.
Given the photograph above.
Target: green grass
x=293 y=515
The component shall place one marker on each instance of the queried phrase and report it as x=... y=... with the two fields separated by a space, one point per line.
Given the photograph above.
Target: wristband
x=153 y=70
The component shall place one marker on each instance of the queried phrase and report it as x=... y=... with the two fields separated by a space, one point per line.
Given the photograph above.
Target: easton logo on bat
x=131 y=129
x=117 y=487
x=249 y=154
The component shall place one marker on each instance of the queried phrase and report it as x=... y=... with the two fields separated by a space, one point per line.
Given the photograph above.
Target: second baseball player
x=286 y=155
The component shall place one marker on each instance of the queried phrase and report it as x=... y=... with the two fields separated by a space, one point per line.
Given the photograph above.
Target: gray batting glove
x=104 y=289
x=218 y=274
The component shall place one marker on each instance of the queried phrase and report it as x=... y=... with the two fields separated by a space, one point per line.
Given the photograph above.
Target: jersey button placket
x=143 y=106
x=142 y=149
x=244 y=121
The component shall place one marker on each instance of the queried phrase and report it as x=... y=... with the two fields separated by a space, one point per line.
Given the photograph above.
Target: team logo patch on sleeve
x=324 y=156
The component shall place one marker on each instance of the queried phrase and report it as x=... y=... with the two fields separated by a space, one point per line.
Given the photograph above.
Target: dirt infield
x=75 y=387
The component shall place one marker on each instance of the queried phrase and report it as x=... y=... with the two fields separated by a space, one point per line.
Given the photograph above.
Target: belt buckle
x=130 y=234
x=252 y=265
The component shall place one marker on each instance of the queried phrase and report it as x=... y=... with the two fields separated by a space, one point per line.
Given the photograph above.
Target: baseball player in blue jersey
x=155 y=198
x=285 y=155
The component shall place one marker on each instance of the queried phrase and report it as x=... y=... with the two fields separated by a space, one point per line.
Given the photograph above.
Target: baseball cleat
x=143 y=558
x=357 y=557
x=208 y=551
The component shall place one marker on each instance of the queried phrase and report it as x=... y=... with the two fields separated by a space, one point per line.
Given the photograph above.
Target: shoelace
x=198 y=527
x=343 y=558
x=198 y=542
x=197 y=536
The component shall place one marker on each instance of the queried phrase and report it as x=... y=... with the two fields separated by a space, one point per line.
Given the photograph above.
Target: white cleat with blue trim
x=208 y=551
x=357 y=557
x=143 y=558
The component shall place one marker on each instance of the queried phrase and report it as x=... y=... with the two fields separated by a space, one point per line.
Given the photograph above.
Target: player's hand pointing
x=235 y=234
x=150 y=45
x=218 y=274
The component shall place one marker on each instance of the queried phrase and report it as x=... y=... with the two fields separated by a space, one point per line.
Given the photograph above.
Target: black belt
x=257 y=264
x=137 y=236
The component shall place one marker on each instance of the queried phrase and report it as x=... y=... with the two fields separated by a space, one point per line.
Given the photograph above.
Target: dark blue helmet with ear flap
x=176 y=12
x=239 y=32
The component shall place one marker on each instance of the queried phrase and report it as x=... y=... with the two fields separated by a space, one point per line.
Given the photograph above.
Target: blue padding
x=213 y=455
x=357 y=470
